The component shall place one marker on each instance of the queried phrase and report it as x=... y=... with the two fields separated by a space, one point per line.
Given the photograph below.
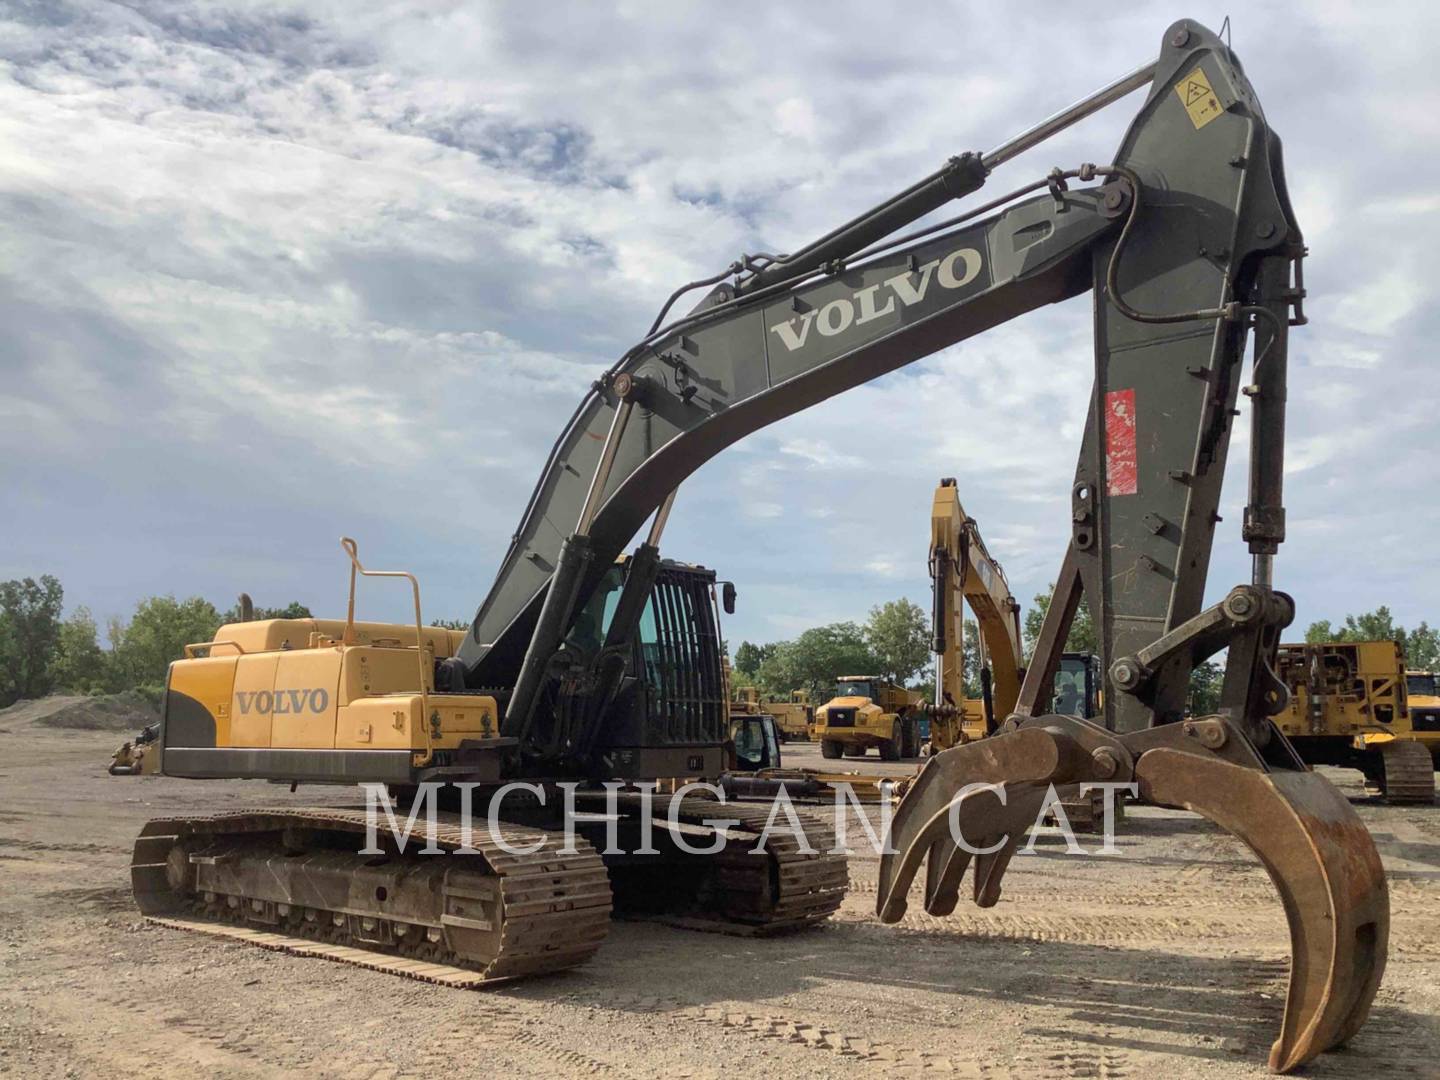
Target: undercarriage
x=455 y=906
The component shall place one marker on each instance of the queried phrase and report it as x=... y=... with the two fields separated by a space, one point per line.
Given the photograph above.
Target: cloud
x=279 y=271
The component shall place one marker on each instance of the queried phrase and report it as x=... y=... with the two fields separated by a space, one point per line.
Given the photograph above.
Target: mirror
x=727 y=595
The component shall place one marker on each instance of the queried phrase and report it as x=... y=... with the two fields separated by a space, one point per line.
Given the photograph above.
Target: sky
x=275 y=273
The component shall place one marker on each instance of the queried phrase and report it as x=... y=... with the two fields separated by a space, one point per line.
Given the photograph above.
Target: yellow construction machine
x=1350 y=706
x=582 y=683
x=868 y=712
x=1422 y=691
x=793 y=718
x=139 y=756
x=962 y=571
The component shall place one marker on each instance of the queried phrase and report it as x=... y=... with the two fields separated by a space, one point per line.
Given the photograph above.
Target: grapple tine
x=993 y=832
x=1324 y=865
x=921 y=825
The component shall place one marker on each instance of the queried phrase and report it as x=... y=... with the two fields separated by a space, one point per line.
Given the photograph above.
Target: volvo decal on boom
x=603 y=670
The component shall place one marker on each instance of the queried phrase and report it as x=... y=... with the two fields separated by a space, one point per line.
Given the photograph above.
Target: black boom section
x=1147 y=487
x=699 y=391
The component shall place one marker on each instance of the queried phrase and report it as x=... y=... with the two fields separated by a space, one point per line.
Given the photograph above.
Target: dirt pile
x=128 y=711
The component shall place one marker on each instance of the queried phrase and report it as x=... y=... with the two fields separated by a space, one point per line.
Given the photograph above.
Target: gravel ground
x=1168 y=960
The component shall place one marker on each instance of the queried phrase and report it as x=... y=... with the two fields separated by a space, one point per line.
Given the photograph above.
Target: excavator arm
x=737 y=364
x=1187 y=244
x=963 y=571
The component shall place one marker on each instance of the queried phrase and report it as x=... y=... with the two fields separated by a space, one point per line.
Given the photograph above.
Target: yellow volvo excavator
x=583 y=677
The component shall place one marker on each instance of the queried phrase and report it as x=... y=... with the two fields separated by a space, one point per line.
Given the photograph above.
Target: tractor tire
x=831 y=749
x=910 y=740
x=891 y=748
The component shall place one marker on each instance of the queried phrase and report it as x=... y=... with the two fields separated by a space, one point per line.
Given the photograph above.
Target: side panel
x=198 y=702
x=250 y=721
x=383 y=723
x=303 y=711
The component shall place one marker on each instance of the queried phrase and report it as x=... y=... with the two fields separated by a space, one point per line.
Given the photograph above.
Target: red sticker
x=1121 y=461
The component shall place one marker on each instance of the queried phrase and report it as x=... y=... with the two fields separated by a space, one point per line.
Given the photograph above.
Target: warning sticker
x=1200 y=101
x=1122 y=465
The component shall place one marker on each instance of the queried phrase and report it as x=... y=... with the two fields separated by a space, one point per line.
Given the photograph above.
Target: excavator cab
x=1078 y=685
x=756 y=743
x=666 y=712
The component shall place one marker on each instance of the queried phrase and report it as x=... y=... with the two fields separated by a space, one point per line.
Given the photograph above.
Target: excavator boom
x=1187 y=244
x=962 y=568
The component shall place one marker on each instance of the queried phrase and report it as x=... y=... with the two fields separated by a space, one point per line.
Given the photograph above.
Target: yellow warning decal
x=1199 y=98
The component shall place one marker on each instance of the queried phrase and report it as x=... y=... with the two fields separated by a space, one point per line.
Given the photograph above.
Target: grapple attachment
x=1319 y=855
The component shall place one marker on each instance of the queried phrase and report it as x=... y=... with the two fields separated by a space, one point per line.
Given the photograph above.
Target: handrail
x=191 y=649
x=353 y=551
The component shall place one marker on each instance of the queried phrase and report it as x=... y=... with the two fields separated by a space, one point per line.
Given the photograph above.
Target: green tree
x=815 y=659
x=1422 y=648
x=749 y=657
x=1421 y=645
x=1205 y=683
x=898 y=634
x=451 y=624
x=971 y=656
x=29 y=635
x=80 y=663
x=1082 y=637
x=157 y=634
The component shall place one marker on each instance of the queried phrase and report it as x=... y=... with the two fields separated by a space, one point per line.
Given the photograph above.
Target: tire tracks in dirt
x=779 y=1027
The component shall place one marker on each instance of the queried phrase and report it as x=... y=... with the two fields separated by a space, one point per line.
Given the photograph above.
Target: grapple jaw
x=1315 y=848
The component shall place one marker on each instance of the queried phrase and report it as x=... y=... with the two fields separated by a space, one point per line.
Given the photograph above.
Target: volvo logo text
x=906 y=289
x=283 y=701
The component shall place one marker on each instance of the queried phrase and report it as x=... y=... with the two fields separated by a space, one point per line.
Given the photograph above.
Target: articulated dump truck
x=869 y=712
x=579 y=671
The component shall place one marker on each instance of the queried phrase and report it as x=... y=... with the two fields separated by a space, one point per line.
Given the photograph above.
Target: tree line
x=42 y=653
x=895 y=643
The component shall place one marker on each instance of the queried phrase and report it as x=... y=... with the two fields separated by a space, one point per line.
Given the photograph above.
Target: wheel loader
x=583 y=680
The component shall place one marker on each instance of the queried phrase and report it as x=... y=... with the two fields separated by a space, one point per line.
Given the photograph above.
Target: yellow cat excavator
x=962 y=571
x=589 y=679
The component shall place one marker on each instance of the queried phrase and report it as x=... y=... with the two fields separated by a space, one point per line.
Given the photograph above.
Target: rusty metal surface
x=1324 y=865
x=1026 y=760
x=1319 y=855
